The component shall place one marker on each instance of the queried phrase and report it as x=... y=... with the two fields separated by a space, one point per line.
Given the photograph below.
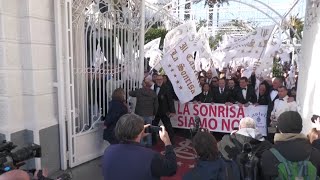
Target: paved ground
x=88 y=171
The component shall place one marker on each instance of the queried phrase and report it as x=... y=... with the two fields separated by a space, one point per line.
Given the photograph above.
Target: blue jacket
x=116 y=110
x=127 y=162
x=207 y=170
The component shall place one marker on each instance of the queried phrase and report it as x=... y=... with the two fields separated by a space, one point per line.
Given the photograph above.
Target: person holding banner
x=206 y=96
x=245 y=95
x=166 y=108
x=221 y=94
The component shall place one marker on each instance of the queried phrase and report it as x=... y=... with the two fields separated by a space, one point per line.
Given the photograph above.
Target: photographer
x=130 y=160
x=246 y=141
x=15 y=175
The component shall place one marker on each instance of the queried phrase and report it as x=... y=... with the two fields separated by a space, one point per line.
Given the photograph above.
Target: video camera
x=10 y=159
x=13 y=160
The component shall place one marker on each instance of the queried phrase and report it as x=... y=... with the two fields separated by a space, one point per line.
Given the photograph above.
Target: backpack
x=247 y=161
x=301 y=170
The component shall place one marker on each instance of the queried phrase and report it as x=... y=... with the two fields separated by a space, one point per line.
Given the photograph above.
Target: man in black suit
x=245 y=95
x=166 y=107
x=221 y=94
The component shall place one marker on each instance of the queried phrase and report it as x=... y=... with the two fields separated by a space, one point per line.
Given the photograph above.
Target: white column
x=308 y=96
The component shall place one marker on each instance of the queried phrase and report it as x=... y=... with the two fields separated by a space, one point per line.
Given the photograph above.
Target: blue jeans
x=148 y=139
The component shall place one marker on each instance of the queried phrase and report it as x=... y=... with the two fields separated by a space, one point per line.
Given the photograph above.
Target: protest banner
x=218 y=117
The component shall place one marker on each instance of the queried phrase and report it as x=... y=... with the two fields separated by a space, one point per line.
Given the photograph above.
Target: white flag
x=174 y=36
x=155 y=56
x=152 y=45
x=178 y=63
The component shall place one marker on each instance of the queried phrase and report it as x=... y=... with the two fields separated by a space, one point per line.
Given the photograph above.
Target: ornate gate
x=99 y=52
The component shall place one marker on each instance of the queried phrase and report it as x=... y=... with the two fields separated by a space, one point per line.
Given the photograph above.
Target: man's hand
x=164 y=136
x=246 y=104
x=228 y=104
x=144 y=130
x=290 y=99
x=240 y=105
x=256 y=104
x=171 y=115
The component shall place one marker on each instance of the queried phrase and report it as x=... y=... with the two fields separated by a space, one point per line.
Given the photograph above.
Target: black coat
x=293 y=150
x=264 y=99
x=205 y=98
x=116 y=110
x=222 y=98
x=165 y=101
x=229 y=150
x=251 y=95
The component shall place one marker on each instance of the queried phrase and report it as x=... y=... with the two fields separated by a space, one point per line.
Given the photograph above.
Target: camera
x=152 y=129
x=10 y=159
x=13 y=160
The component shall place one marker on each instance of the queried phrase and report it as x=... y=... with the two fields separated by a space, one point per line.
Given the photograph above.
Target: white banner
x=218 y=117
x=179 y=65
x=155 y=56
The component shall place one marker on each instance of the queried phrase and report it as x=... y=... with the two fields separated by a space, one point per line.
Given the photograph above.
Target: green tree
x=297 y=25
x=277 y=69
x=154 y=33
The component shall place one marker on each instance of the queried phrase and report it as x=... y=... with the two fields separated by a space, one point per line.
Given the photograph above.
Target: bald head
x=15 y=175
x=247 y=122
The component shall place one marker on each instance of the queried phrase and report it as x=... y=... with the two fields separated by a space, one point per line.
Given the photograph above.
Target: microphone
x=197 y=124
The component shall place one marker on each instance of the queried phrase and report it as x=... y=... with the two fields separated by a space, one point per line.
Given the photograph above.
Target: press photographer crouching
x=130 y=160
x=11 y=160
x=245 y=146
x=209 y=165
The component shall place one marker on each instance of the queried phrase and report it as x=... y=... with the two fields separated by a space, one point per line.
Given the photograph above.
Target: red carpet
x=185 y=156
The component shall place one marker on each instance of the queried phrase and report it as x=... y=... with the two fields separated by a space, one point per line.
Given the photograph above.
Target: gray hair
x=247 y=122
x=128 y=127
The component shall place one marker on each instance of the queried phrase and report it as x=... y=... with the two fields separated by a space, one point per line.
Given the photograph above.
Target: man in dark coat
x=222 y=94
x=166 y=107
x=245 y=95
x=290 y=143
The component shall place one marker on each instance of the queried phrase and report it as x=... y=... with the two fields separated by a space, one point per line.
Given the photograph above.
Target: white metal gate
x=101 y=41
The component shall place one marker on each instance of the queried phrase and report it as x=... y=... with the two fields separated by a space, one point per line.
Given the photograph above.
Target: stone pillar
x=308 y=96
x=28 y=101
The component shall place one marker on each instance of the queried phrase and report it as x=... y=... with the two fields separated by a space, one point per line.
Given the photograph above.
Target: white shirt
x=273 y=94
x=281 y=106
x=244 y=93
x=221 y=90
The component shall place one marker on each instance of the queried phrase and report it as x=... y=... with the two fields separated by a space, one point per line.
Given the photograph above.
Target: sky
x=236 y=10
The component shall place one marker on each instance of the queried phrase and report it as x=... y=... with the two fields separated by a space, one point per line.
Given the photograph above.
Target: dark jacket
x=251 y=95
x=207 y=170
x=229 y=150
x=204 y=98
x=133 y=161
x=297 y=149
x=222 y=98
x=231 y=147
x=165 y=100
x=116 y=110
x=264 y=99
x=316 y=144
x=147 y=102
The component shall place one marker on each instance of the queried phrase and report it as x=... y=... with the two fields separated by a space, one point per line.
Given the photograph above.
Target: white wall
x=27 y=65
x=309 y=82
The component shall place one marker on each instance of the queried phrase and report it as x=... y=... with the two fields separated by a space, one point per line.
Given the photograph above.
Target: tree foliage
x=154 y=33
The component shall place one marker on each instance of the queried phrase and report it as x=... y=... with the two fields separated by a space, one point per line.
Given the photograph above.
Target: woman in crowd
x=117 y=108
x=206 y=96
x=209 y=165
x=264 y=91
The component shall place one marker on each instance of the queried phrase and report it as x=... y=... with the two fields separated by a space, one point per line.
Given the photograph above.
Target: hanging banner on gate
x=218 y=117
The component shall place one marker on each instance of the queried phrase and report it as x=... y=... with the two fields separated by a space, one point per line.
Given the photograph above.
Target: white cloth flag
x=178 y=63
x=150 y=46
x=177 y=34
x=99 y=58
x=251 y=45
x=155 y=58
